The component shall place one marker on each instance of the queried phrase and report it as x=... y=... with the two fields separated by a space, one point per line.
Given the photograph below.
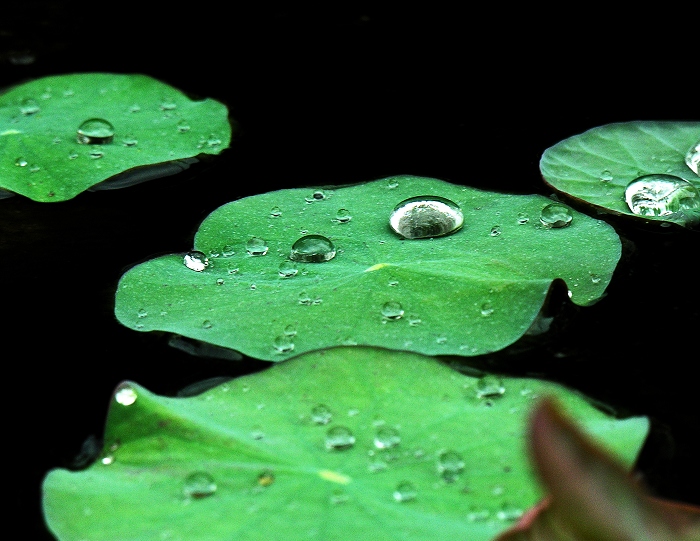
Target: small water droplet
x=393 y=281
x=183 y=126
x=392 y=184
x=312 y=249
x=290 y=330
x=486 y=309
x=414 y=320
x=426 y=216
x=339 y=438
x=266 y=478
x=96 y=153
x=21 y=162
x=392 y=310
x=284 y=343
x=692 y=158
x=168 y=104
x=142 y=312
x=321 y=414
x=199 y=485
x=386 y=438
x=196 y=261
x=555 y=216
x=219 y=281
x=449 y=465
x=34 y=168
x=595 y=278
x=509 y=513
x=495 y=231
x=661 y=195
x=135 y=108
x=304 y=298
x=107 y=460
x=606 y=176
x=275 y=212
x=405 y=492
x=343 y=216
x=125 y=396
x=129 y=141
x=213 y=141
x=256 y=246
x=441 y=339
x=207 y=324
x=523 y=218
x=338 y=497
x=489 y=386
x=316 y=195
x=256 y=432
x=95 y=131
x=29 y=107
x=287 y=269
x=72 y=155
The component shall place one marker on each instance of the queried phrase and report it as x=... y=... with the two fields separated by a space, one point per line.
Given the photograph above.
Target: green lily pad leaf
x=474 y=291
x=471 y=292
x=63 y=134
x=337 y=444
x=647 y=170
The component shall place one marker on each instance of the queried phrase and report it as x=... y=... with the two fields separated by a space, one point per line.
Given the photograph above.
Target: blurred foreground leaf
x=343 y=444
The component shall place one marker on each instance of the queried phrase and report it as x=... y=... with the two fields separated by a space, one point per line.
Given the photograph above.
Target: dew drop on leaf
x=287 y=269
x=275 y=212
x=96 y=153
x=661 y=195
x=449 y=465
x=312 y=249
x=256 y=246
x=339 y=438
x=426 y=216
x=95 y=131
x=183 y=126
x=21 y=162
x=486 y=309
x=414 y=320
x=199 y=485
x=523 y=218
x=125 y=395
x=284 y=343
x=555 y=216
x=316 y=195
x=196 y=261
x=29 y=107
x=489 y=386
x=405 y=492
x=392 y=310
x=606 y=176
x=386 y=438
x=266 y=478
x=207 y=324
x=692 y=158
x=321 y=414
x=343 y=216
x=129 y=141
x=495 y=231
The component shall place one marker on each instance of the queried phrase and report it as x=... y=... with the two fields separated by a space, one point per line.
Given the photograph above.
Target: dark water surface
x=334 y=97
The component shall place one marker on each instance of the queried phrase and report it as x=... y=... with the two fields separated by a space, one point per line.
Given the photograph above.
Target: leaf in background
x=148 y=122
x=344 y=444
x=474 y=291
x=598 y=165
x=591 y=494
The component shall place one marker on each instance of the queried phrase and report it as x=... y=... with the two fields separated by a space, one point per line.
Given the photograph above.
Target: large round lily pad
x=472 y=292
x=153 y=123
x=597 y=166
x=342 y=444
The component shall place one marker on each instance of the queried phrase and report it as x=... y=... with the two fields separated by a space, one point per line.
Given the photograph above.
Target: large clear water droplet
x=256 y=246
x=95 y=131
x=321 y=414
x=392 y=310
x=556 y=215
x=386 y=438
x=426 y=216
x=489 y=386
x=312 y=249
x=196 y=261
x=661 y=195
x=199 y=485
x=692 y=158
x=405 y=492
x=450 y=464
x=339 y=438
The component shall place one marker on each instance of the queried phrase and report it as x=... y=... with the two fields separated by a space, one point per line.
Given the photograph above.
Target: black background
x=331 y=96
